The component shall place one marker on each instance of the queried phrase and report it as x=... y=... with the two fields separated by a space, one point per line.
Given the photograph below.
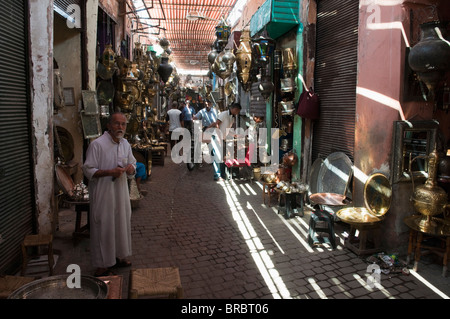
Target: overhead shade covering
x=277 y=16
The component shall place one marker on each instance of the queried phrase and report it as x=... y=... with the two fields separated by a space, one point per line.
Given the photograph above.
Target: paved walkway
x=228 y=244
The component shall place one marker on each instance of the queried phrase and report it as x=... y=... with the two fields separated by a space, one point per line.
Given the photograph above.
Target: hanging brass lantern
x=223 y=32
x=108 y=57
x=263 y=47
x=288 y=61
x=244 y=58
x=138 y=53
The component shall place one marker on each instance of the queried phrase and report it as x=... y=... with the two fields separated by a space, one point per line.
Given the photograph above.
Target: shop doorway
x=335 y=77
x=16 y=173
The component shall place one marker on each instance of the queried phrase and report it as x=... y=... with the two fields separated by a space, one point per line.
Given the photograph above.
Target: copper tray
x=65 y=182
x=55 y=287
x=329 y=199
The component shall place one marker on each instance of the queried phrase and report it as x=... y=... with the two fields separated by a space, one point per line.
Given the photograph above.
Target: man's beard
x=118 y=134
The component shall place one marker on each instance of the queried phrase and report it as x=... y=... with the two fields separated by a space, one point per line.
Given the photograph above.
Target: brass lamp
x=108 y=57
x=244 y=58
x=263 y=47
x=223 y=32
x=288 y=61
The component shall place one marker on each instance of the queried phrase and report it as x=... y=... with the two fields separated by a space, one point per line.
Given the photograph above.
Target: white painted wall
x=41 y=64
x=91 y=27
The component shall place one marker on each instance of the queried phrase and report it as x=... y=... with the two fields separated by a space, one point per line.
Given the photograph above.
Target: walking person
x=207 y=115
x=109 y=163
x=225 y=121
x=187 y=116
x=174 y=118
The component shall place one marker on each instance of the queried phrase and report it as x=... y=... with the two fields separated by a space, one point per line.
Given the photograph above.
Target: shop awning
x=277 y=16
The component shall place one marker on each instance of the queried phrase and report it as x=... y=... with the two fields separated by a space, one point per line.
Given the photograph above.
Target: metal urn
x=223 y=65
x=266 y=86
x=212 y=55
x=430 y=57
x=429 y=199
x=165 y=68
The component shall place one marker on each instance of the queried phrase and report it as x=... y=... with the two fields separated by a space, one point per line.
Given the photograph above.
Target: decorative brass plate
x=377 y=194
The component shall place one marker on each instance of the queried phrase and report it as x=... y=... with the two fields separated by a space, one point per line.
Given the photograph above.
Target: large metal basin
x=55 y=287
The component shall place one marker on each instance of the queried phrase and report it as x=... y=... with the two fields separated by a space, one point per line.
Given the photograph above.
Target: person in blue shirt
x=187 y=115
x=207 y=115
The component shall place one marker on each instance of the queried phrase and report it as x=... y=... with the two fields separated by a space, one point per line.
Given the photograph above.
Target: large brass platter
x=377 y=199
x=55 y=287
x=377 y=194
x=429 y=225
x=357 y=216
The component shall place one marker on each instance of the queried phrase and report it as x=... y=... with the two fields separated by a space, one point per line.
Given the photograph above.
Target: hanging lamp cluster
x=253 y=58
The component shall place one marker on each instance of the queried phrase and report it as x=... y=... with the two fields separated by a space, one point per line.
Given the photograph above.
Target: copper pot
x=290 y=159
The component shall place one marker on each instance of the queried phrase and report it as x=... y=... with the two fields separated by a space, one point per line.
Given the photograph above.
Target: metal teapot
x=429 y=199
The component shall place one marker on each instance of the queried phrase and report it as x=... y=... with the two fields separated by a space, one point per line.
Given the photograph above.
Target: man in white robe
x=109 y=161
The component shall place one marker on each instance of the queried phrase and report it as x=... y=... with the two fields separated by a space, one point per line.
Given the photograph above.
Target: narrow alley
x=227 y=244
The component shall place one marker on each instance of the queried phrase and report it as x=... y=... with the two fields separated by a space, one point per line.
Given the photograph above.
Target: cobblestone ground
x=228 y=244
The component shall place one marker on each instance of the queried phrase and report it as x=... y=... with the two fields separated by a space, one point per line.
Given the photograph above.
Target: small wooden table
x=290 y=205
x=365 y=230
x=419 y=231
x=268 y=189
x=80 y=207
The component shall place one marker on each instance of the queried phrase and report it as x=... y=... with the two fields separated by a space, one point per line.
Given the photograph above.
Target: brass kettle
x=429 y=199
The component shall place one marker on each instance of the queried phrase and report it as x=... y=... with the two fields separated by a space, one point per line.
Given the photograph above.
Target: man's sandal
x=122 y=263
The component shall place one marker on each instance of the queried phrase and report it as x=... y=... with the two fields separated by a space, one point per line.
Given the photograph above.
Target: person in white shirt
x=174 y=118
x=109 y=163
x=225 y=121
